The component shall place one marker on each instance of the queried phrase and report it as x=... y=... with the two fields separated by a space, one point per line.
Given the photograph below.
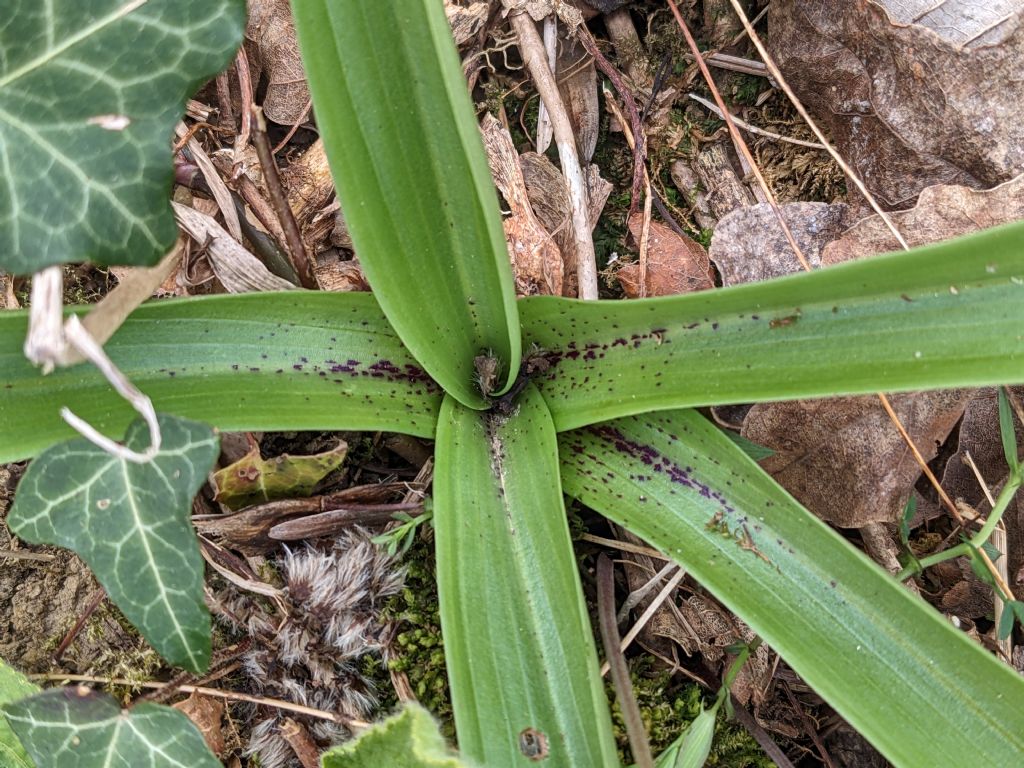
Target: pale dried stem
x=753 y=128
x=1000 y=568
x=51 y=343
x=245 y=89
x=624 y=546
x=301 y=742
x=80 y=339
x=637 y=733
x=300 y=259
x=544 y=130
x=646 y=616
x=285 y=706
x=220 y=190
x=534 y=57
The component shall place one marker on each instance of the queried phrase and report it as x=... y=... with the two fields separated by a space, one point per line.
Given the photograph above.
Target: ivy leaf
x=409 y=739
x=13 y=685
x=130 y=523
x=89 y=96
x=76 y=727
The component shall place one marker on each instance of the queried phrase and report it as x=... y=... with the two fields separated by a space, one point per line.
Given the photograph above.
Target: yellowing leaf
x=253 y=479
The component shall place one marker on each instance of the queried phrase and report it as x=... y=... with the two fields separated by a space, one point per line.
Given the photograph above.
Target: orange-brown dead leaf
x=675 y=264
x=207 y=713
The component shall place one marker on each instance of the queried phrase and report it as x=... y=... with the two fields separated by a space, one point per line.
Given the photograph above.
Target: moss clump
x=418 y=648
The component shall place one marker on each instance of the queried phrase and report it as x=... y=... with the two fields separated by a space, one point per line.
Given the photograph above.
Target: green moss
x=667 y=709
x=418 y=648
x=745 y=88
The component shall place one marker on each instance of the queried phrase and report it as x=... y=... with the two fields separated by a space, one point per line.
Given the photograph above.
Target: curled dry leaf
x=843 y=459
x=253 y=479
x=549 y=199
x=699 y=624
x=536 y=258
x=237 y=269
x=748 y=244
x=206 y=713
x=272 y=31
x=913 y=93
x=942 y=212
x=675 y=264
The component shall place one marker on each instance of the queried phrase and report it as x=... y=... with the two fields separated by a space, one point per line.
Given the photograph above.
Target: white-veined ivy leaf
x=13 y=686
x=76 y=727
x=409 y=739
x=130 y=523
x=89 y=95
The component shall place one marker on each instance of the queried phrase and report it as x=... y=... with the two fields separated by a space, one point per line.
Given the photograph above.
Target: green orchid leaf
x=520 y=652
x=946 y=315
x=13 y=686
x=251 y=362
x=253 y=479
x=89 y=96
x=408 y=162
x=919 y=690
x=130 y=523
x=1007 y=431
x=76 y=727
x=691 y=750
x=409 y=739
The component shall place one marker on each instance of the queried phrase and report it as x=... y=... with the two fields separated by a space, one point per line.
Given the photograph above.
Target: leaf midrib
x=86 y=32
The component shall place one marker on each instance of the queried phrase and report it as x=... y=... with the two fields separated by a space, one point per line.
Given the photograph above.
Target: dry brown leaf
x=942 y=212
x=538 y=9
x=272 y=31
x=207 y=714
x=549 y=199
x=334 y=274
x=310 y=187
x=913 y=92
x=675 y=264
x=466 y=20
x=749 y=245
x=536 y=258
x=843 y=459
x=236 y=268
x=970 y=598
x=704 y=627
